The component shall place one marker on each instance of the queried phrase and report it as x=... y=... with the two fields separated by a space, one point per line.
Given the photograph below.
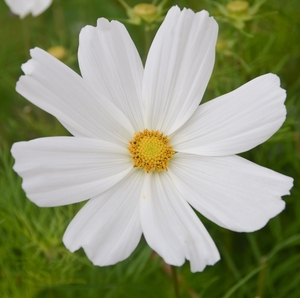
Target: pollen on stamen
x=149 y=150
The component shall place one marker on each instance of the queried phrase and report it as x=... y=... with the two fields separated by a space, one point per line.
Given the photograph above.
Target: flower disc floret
x=150 y=150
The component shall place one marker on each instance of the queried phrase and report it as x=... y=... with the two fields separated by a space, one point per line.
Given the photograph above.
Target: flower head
x=238 y=12
x=24 y=7
x=143 y=149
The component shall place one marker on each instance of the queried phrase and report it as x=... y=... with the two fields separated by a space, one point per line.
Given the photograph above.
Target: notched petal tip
x=174 y=9
x=28 y=67
x=270 y=78
x=37 y=54
x=288 y=184
x=36 y=51
x=103 y=24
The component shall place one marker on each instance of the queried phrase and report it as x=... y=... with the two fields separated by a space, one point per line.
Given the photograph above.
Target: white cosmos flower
x=25 y=7
x=112 y=104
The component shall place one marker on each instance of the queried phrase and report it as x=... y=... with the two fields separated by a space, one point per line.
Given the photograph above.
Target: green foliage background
x=34 y=262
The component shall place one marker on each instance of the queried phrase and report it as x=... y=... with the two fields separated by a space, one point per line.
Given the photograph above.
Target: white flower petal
x=108 y=227
x=24 y=7
x=178 y=68
x=230 y=191
x=63 y=170
x=236 y=121
x=20 y=8
x=58 y=90
x=109 y=61
x=171 y=227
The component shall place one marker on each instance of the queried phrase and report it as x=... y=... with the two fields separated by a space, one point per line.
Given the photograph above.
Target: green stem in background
x=147 y=40
x=25 y=27
x=175 y=282
x=241 y=53
x=262 y=277
x=243 y=281
x=59 y=20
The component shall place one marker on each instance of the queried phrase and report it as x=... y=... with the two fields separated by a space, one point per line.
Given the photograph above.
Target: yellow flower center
x=150 y=150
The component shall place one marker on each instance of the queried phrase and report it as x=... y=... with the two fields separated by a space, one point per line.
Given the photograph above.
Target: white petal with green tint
x=64 y=170
x=230 y=191
x=171 y=227
x=234 y=122
x=108 y=227
x=58 y=90
x=110 y=63
x=178 y=67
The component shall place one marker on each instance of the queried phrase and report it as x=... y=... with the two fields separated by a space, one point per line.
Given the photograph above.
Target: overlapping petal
x=58 y=90
x=171 y=227
x=230 y=191
x=64 y=170
x=109 y=61
x=234 y=122
x=178 y=67
x=108 y=227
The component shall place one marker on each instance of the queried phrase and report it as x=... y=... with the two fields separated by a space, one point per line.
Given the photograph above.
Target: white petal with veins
x=171 y=227
x=109 y=61
x=108 y=226
x=65 y=170
x=230 y=191
x=234 y=122
x=178 y=67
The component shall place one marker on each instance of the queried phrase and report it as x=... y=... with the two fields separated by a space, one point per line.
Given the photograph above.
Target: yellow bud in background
x=58 y=52
x=238 y=8
x=145 y=11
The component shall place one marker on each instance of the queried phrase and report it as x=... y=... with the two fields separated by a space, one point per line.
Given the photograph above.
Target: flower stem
x=262 y=277
x=175 y=282
x=26 y=35
x=59 y=21
x=147 y=40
